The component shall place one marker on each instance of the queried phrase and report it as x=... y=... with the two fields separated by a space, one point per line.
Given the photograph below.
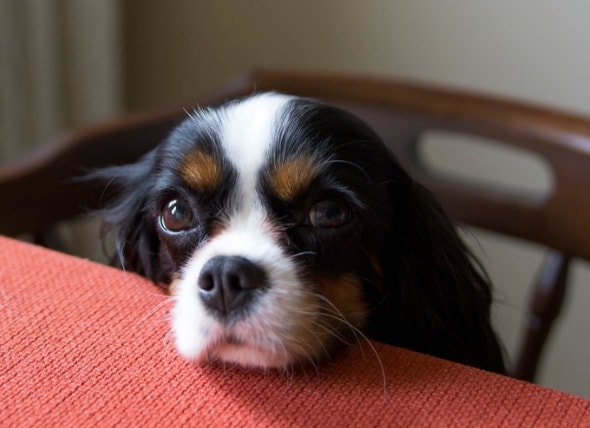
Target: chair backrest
x=37 y=192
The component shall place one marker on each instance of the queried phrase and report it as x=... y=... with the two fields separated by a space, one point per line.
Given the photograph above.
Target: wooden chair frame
x=39 y=191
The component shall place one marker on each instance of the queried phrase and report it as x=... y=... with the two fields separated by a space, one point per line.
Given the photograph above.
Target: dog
x=288 y=230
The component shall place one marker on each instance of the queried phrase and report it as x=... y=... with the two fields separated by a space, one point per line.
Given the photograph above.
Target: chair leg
x=546 y=302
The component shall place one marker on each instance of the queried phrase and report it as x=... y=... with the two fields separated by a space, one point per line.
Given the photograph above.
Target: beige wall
x=59 y=68
x=538 y=51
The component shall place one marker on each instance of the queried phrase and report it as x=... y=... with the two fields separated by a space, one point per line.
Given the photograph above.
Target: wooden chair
x=38 y=192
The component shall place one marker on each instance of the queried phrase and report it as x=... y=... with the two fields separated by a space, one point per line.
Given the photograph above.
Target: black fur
x=429 y=293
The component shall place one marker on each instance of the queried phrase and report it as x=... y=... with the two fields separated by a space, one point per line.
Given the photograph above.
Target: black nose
x=227 y=284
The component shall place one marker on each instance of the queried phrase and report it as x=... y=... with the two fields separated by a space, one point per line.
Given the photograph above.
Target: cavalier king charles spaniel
x=285 y=229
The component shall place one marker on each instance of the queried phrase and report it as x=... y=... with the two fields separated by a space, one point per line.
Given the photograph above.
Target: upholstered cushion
x=84 y=344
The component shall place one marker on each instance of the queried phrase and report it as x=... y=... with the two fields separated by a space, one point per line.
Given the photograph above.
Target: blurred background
x=69 y=63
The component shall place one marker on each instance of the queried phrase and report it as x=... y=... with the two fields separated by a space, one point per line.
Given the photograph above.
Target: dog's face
x=269 y=222
x=286 y=229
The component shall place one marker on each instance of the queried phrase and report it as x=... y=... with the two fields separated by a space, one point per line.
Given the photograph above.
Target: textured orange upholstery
x=84 y=344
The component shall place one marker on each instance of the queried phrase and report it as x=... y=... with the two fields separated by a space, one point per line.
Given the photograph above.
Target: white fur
x=247 y=136
x=268 y=336
x=269 y=327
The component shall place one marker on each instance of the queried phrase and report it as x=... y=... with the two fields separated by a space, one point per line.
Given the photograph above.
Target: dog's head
x=287 y=229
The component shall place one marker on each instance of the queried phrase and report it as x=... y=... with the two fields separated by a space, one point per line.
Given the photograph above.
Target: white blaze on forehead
x=247 y=136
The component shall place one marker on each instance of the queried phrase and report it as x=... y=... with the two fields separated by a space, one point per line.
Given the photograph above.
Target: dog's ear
x=126 y=218
x=436 y=296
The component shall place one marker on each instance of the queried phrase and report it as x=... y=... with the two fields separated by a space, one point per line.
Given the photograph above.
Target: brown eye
x=330 y=213
x=176 y=216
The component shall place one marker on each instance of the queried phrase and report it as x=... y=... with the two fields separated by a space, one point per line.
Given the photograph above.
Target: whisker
x=304 y=253
x=155 y=309
x=168 y=347
x=340 y=317
x=334 y=332
x=332 y=312
x=302 y=347
x=337 y=314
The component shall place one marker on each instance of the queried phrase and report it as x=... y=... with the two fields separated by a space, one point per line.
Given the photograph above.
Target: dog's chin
x=225 y=348
x=252 y=346
x=247 y=356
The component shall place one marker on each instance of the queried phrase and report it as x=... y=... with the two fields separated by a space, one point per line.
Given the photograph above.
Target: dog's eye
x=176 y=216
x=329 y=213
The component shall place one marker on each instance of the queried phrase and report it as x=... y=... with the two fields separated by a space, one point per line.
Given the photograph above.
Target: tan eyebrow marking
x=292 y=177
x=201 y=171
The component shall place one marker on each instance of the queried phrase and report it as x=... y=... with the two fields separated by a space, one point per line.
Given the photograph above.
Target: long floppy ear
x=437 y=296
x=137 y=247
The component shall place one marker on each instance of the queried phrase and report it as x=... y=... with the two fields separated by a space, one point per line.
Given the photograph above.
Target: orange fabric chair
x=88 y=345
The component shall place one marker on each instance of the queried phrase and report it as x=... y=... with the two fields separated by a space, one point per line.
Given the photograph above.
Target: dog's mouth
x=244 y=352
